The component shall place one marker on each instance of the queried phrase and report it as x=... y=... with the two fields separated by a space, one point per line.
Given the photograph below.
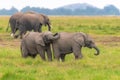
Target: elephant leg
x=49 y=27
x=77 y=52
x=21 y=33
x=13 y=32
x=16 y=36
x=56 y=52
x=37 y=28
x=62 y=57
x=24 y=50
x=33 y=55
x=57 y=55
x=41 y=52
x=49 y=53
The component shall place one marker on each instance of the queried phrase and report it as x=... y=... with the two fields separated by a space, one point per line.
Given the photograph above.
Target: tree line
x=107 y=10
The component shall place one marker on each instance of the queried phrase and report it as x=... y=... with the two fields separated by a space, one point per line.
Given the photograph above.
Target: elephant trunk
x=98 y=52
x=55 y=36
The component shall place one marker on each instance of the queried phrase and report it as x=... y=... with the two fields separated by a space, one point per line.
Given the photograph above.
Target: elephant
x=44 y=20
x=34 y=43
x=15 y=18
x=12 y=22
x=72 y=42
x=27 y=22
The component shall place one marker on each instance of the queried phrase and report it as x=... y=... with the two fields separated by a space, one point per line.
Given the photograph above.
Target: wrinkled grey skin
x=44 y=20
x=34 y=43
x=15 y=20
x=27 y=22
x=12 y=22
x=72 y=42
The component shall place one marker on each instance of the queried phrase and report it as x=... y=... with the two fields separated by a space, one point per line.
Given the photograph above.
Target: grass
x=106 y=66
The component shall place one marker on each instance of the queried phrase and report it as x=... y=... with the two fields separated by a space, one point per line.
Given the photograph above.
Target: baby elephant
x=34 y=43
x=72 y=42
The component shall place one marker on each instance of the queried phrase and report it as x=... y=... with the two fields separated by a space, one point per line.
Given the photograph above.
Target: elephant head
x=47 y=38
x=84 y=40
x=90 y=44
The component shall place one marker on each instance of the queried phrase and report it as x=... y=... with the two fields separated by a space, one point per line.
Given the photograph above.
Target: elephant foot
x=79 y=57
x=63 y=60
x=16 y=36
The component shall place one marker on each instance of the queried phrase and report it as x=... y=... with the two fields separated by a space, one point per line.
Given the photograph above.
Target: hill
x=75 y=6
x=72 y=9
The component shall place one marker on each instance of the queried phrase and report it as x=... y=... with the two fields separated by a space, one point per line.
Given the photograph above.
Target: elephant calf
x=72 y=42
x=35 y=43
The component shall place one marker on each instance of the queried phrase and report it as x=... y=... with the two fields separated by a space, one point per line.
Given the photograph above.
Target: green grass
x=104 y=30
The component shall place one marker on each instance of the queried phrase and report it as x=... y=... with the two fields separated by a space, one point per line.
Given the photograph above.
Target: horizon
x=59 y=6
x=50 y=5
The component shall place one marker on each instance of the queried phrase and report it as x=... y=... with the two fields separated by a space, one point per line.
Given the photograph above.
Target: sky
x=51 y=4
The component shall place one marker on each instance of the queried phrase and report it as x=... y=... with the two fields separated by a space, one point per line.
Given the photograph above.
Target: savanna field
x=105 y=30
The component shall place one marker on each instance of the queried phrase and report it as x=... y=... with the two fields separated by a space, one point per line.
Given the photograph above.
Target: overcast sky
x=19 y=4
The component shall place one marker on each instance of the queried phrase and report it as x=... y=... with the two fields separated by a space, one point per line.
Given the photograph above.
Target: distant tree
x=8 y=12
x=62 y=11
x=111 y=10
x=27 y=8
x=83 y=10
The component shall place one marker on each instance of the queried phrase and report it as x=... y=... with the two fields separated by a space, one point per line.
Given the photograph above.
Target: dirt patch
x=108 y=40
x=10 y=44
x=111 y=39
x=7 y=41
x=0 y=39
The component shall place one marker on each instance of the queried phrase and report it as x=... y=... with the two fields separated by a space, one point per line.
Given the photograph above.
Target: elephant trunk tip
x=98 y=52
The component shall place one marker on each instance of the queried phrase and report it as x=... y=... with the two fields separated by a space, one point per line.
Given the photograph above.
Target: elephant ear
x=79 y=38
x=39 y=40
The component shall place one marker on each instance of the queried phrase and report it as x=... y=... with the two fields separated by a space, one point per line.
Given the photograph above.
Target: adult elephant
x=44 y=20
x=72 y=42
x=35 y=43
x=12 y=22
x=27 y=22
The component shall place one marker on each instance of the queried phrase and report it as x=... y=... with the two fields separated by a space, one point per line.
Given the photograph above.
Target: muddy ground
x=106 y=40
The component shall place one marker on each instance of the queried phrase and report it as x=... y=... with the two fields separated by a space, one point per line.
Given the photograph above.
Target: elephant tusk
x=12 y=35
